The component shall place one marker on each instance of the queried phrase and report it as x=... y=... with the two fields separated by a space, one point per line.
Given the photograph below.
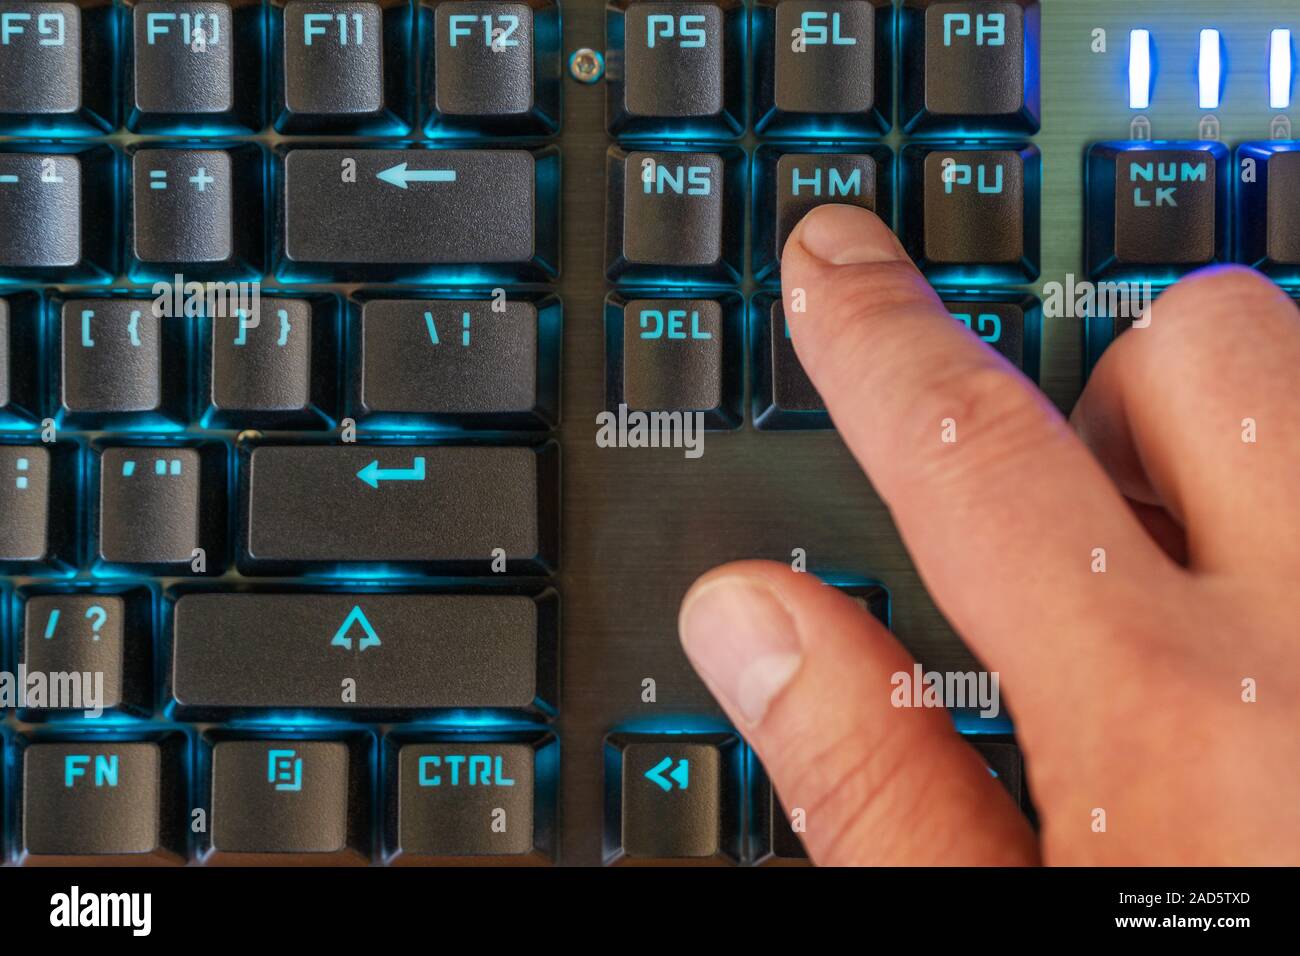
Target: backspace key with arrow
x=420 y=214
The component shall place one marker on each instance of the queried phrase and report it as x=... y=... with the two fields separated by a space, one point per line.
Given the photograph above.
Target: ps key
x=194 y=64
x=56 y=68
x=108 y=635
x=970 y=64
x=972 y=212
x=822 y=65
x=492 y=67
x=675 y=355
x=1010 y=326
x=342 y=66
x=121 y=364
x=675 y=68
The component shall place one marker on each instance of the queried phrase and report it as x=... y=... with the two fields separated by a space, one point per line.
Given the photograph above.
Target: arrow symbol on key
x=372 y=474
x=681 y=775
x=399 y=175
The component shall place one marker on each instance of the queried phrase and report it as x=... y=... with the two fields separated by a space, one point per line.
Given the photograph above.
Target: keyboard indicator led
x=1210 y=70
x=1279 y=70
x=1139 y=69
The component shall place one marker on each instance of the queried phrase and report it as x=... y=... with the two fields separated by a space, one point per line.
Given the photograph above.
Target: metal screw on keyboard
x=587 y=65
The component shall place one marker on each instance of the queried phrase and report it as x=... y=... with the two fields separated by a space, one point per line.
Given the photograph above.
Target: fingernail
x=743 y=642
x=846 y=236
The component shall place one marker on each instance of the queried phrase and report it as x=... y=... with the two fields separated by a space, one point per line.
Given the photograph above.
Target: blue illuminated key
x=104 y=802
x=161 y=509
x=120 y=364
x=342 y=66
x=272 y=364
x=492 y=67
x=20 y=361
x=469 y=362
x=972 y=214
x=1268 y=208
x=674 y=215
x=789 y=185
x=56 y=68
x=970 y=65
x=679 y=68
x=57 y=213
x=287 y=801
x=464 y=800
x=108 y=634
x=675 y=355
x=783 y=396
x=1005 y=762
x=823 y=66
x=194 y=66
x=38 y=495
x=196 y=212
x=1012 y=326
x=1156 y=210
x=672 y=797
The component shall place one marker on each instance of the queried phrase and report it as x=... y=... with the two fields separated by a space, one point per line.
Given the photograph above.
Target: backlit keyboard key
x=342 y=66
x=57 y=213
x=1012 y=326
x=468 y=362
x=1268 y=208
x=672 y=798
x=20 y=398
x=287 y=801
x=674 y=215
x=194 y=65
x=384 y=214
x=471 y=799
x=197 y=212
x=823 y=66
x=272 y=365
x=121 y=364
x=405 y=653
x=675 y=67
x=162 y=509
x=681 y=355
x=789 y=185
x=1159 y=208
x=105 y=802
x=38 y=495
x=971 y=212
x=56 y=67
x=970 y=65
x=492 y=67
x=1006 y=763
x=783 y=395
x=428 y=506
x=109 y=634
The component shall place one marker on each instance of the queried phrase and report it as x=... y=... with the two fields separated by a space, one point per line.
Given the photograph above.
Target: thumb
x=805 y=674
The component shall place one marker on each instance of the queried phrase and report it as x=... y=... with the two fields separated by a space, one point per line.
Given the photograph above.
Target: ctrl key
x=110 y=802
x=286 y=802
x=672 y=799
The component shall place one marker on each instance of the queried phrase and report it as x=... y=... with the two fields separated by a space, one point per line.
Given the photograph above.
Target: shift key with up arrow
x=431 y=215
x=446 y=508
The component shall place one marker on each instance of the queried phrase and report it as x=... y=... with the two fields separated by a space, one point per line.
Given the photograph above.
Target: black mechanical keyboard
x=315 y=316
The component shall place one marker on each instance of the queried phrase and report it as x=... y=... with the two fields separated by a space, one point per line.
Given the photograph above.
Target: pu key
x=196 y=212
x=194 y=63
x=680 y=68
x=56 y=63
x=494 y=67
x=342 y=66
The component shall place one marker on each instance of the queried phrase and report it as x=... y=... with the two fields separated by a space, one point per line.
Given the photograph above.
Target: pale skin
x=1126 y=686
